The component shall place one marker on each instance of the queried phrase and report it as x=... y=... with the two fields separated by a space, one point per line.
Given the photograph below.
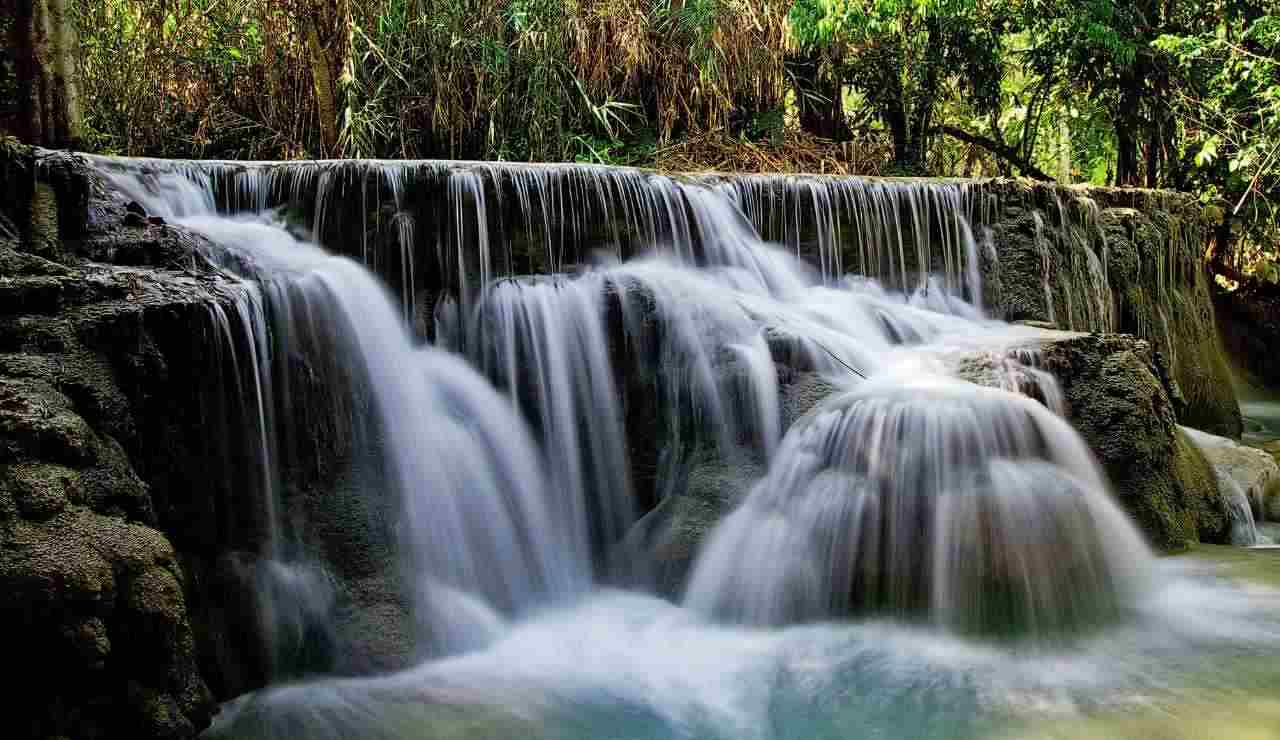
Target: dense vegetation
x=1157 y=93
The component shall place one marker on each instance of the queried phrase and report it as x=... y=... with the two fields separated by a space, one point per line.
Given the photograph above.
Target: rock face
x=669 y=537
x=132 y=520
x=1078 y=258
x=128 y=531
x=1105 y=260
x=95 y=609
x=1121 y=397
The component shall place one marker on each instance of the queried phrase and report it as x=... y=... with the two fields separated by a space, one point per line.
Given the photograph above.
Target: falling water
x=589 y=323
x=475 y=513
x=544 y=341
x=1003 y=524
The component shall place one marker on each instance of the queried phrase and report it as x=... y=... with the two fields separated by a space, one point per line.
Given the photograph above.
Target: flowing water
x=922 y=556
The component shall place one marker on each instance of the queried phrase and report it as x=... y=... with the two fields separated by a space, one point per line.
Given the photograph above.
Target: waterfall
x=475 y=512
x=519 y=363
x=545 y=342
x=473 y=222
x=920 y=495
x=701 y=323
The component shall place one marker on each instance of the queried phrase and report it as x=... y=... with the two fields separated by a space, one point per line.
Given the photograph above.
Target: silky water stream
x=921 y=557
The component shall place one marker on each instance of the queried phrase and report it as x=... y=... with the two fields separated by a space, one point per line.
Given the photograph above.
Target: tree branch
x=1003 y=151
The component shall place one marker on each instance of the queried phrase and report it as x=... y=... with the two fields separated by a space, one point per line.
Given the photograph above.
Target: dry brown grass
x=513 y=79
x=794 y=152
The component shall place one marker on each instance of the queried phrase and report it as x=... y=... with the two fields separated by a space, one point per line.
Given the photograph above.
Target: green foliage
x=511 y=79
x=172 y=82
x=1229 y=105
x=907 y=58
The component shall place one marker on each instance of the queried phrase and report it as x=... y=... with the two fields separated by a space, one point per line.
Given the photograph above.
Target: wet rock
x=1120 y=394
x=1117 y=392
x=95 y=606
x=37 y=421
x=88 y=638
x=1271 y=502
x=1167 y=301
x=802 y=393
x=94 y=602
x=1252 y=470
x=41 y=491
x=375 y=628
x=669 y=538
x=1108 y=260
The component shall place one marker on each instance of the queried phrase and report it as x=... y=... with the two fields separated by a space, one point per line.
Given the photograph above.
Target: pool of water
x=1199 y=653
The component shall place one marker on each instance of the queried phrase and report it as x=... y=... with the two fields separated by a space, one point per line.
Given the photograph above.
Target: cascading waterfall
x=921 y=495
x=476 y=221
x=607 y=321
x=475 y=514
x=545 y=342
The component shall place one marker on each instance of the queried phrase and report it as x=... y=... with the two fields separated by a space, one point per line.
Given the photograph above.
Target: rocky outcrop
x=1106 y=260
x=1120 y=395
x=1079 y=258
x=666 y=541
x=1271 y=503
x=99 y=418
x=131 y=496
x=131 y=534
x=96 y=610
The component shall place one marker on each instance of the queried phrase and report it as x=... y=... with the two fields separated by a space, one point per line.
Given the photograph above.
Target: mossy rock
x=40 y=491
x=38 y=422
x=671 y=536
x=94 y=604
x=1271 y=502
x=1163 y=296
x=1117 y=394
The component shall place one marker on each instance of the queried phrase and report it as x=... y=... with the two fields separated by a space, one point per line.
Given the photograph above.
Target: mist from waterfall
x=904 y=529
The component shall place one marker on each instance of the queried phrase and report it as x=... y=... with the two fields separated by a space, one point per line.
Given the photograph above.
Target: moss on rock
x=1106 y=260
x=41 y=490
x=1117 y=393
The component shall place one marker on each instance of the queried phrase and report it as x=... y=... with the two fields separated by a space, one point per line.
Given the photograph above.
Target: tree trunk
x=896 y=119
x=915 y=161
x=322 y=78
x=1153 y=154
x=44 y=43
x=920 y=128
x=1126 y=154
x=1064 y=151
x=819 y=98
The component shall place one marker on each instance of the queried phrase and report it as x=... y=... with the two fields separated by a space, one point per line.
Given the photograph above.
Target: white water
x=922 y=496
x=919 y=506
x=633 y=667
x=474 y=508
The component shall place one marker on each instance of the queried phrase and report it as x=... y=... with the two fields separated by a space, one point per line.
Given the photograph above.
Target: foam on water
x=637 y=668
